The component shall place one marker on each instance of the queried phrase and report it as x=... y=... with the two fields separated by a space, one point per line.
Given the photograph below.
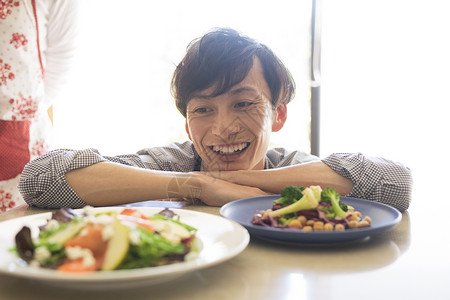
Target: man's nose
x=225 y=124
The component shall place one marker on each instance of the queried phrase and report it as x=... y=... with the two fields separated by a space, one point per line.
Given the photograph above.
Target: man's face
x=232 y=131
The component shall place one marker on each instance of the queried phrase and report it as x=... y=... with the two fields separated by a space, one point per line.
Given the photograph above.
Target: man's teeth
x=229 y=149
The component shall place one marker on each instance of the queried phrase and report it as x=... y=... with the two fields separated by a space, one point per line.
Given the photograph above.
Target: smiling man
x=233 y=92
x=231 y=131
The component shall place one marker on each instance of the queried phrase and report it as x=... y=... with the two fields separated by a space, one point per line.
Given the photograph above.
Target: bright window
x=385 y=79
x=118 y=99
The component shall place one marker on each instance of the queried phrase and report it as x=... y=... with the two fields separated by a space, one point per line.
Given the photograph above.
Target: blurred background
x=118 y=99
x=384 y=74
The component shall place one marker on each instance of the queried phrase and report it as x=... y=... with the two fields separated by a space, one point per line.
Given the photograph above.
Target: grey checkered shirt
x=43 y=182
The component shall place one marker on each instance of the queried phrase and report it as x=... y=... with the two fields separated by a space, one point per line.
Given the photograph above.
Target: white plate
x=222 y=239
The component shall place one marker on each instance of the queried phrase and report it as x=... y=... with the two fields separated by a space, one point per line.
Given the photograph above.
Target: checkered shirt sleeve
x=43 y=181
x=49 y=170
x=374 y=179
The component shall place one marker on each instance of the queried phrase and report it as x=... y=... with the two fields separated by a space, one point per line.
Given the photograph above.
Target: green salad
x=86 y=241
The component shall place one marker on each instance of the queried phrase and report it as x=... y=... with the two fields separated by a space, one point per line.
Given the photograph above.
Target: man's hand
x=274 y=180
x=216 y=192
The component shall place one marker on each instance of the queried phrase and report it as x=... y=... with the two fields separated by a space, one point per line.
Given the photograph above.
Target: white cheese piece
x=52 y=225
x=101 y=219
x=89 y=210
x=41 y=254
x=78 y=252
x=134 y=238
x=171 y=231
x=107 y=232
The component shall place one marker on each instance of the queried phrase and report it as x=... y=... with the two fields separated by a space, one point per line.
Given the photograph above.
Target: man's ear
x=186 y=126
x=279 y=118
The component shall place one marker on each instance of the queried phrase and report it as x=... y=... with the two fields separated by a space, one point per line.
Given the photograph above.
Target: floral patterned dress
x=24 y=122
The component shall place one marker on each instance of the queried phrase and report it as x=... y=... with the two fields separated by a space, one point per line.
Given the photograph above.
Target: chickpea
x=310 y=222
x=307 y=228
x=368 y=220
x=363 y=224
x=295 y=224
x=328 y=227
x=318 y=226
x=339 y=227
x=353 y=224
x=353 y=217
x=302 y=220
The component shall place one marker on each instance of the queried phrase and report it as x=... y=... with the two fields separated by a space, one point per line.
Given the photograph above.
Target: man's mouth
x=230 y=149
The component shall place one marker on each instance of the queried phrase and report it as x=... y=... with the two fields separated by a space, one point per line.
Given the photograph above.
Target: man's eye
x=201 y=110
x=243 y=104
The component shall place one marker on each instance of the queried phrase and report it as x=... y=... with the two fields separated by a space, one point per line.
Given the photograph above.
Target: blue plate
x=242 y=211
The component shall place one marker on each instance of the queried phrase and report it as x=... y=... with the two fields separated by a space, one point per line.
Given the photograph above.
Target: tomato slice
x=90 y=237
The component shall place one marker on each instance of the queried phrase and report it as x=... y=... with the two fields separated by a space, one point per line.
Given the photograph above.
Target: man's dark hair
x=223 y=57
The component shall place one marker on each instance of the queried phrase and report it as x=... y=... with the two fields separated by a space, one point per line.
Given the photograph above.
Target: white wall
x=386 y=81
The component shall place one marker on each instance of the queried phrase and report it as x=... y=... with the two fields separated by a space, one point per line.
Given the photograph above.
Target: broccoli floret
x=329 y=195
x=292 y=192
x=329 y=212
x=309 y=200
x=289 y=195
x=343 y=206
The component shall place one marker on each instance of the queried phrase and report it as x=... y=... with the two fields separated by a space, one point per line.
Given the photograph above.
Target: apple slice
x=61 y=237
x=117 y=247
